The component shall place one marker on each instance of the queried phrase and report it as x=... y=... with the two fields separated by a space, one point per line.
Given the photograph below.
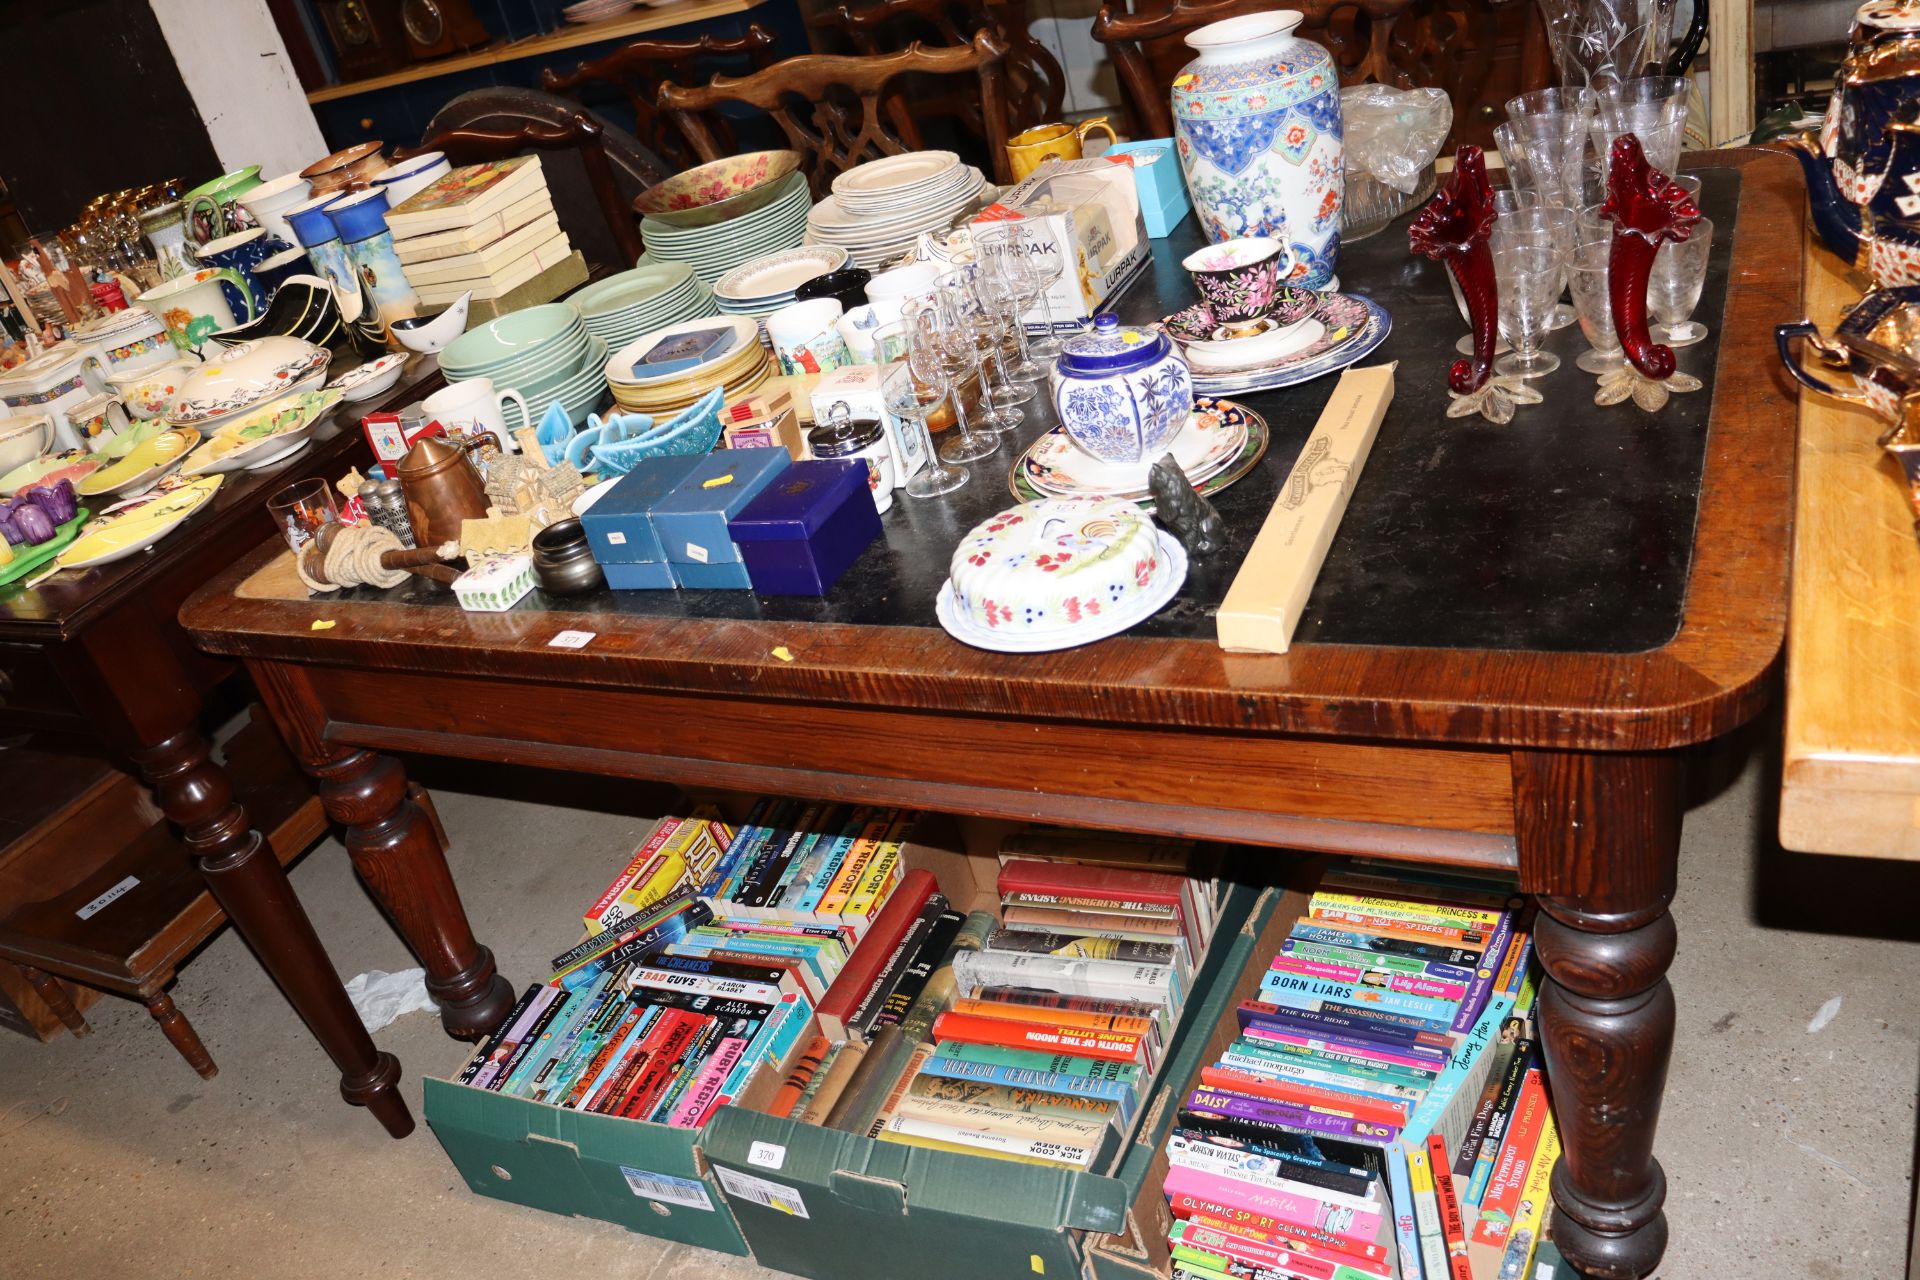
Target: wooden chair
x=639 y=68
x=610 y=166
x=1036 y=85
x=832 y=107
x=1446 y=44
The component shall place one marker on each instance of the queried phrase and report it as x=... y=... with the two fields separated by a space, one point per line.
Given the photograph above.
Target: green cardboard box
x=823 y=1203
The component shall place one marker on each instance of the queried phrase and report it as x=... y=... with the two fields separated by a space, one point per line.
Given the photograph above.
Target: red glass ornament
x=1647 y=208
x=1454 y=228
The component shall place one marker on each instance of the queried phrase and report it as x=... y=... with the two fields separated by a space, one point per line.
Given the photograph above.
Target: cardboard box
x=692 y=520
x=848 y=1206
x=1087 y=215
x=618 y=526
x=1158 y=181
x=801 y=534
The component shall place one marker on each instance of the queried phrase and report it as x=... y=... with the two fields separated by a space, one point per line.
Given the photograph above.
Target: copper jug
x=443 y=487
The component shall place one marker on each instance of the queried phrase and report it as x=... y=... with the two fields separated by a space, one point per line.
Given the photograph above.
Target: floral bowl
x=723 y=189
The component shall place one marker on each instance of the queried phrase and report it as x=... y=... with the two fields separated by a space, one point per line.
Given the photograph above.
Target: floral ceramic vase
x=1256 y=119
x=1122 y=393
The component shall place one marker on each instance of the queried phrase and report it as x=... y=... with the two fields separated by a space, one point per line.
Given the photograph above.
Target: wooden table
x=1850 y=769
x=1516 y=630
x=100 y=654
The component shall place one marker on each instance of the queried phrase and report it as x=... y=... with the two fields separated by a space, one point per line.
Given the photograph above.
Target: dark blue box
x=618 y=527
x=692 y=520
x=807 y=527
x=728 y=575
x=639 y=575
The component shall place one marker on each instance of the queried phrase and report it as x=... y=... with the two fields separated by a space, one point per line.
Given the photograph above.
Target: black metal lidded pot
x=563 y=562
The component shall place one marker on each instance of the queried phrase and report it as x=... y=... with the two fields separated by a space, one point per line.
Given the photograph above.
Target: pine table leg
x=1599 y=837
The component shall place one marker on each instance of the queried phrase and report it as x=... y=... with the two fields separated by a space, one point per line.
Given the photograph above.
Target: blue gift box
x=641 y=575
x=692 y=520
x=729 y=575
x=808 y=528
x=1157 y=177
x=618 y=526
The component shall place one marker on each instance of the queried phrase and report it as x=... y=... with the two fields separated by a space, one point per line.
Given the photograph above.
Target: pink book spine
x=1341 y=1222
x=1403 y=982
x=705 y=1089
x=1309 y=1042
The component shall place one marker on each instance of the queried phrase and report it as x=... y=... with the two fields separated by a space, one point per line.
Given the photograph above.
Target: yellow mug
x=1028 y=151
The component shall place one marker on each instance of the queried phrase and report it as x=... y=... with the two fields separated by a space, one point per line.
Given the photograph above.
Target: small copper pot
x=348 y=170
x=443 y=487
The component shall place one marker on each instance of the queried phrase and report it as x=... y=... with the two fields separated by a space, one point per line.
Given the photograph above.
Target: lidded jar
x=1121 y=391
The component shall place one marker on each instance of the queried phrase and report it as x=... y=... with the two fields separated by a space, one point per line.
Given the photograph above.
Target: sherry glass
x=1593 y=303
x=1554 y=225
x=1506 y=202
x=1673 y=290
x=1035 y=265
x=964 y=323
x=1000 y=288
x=935 y=358
x=912 y=400
x=1531 y=274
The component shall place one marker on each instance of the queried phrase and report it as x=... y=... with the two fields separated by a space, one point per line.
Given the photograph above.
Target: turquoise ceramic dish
x=505 y=338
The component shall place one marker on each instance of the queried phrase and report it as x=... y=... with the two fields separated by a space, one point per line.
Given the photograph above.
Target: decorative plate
x=1215 y=435
x=143 y=466
x=1130 y=614
x=778 y=274
x=133 y=527
x=722 y=189
x=50 y=468
x=369 y=379
x=263 y=436
x=246 y=376
x=1354 y=326
x=1252 y=449
x=27 y=559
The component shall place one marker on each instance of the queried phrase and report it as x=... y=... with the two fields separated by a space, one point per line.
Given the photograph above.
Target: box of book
x=1378 y=1034
x=987 y=1126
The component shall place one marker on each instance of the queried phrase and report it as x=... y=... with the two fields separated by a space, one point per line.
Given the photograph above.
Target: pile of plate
x=651 y=296
x=763 y=286
x=1055 y=467
x=719 y=247
x=595 y=10
x=545 y=353
x=736 y=362
x=878 y=209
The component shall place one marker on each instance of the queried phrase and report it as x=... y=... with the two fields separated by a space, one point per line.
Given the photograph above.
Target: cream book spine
x=470 y=266
x=449 y=244
x=1264 y=604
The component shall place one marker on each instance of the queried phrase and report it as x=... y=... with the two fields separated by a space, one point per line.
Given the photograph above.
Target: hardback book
x=451 y=244
x=488 y=259
x=883 y=941
x=503 y=281
x=466 y=195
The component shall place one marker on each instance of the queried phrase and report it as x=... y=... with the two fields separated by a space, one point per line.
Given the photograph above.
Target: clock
x=436 y=28
x=368 y=37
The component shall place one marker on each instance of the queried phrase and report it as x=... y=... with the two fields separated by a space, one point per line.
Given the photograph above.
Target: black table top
x=1568 y=530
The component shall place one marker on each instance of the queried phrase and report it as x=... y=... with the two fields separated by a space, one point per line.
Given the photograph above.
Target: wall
x=235 y=65
x=94 y=104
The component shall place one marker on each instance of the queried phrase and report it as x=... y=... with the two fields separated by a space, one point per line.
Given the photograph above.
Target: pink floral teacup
x=1239 y=280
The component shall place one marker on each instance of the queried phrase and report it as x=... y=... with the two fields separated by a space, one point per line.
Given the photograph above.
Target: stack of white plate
x=763 y=286
x=651 y=296
x=878 y=209
x=714 y=250
x=595 y=10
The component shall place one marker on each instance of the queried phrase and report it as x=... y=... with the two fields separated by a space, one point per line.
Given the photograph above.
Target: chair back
x=1036 y=85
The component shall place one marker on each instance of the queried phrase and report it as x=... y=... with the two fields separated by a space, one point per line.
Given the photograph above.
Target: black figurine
x=1179 y=506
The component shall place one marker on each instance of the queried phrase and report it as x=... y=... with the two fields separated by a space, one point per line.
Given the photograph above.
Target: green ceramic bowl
x=503 y=339
x=561 y=357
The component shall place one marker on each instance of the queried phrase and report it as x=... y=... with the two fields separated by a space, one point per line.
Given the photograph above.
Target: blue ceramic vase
x=1122 y=393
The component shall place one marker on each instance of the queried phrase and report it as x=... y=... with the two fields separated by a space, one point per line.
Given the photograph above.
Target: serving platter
x=132 y=527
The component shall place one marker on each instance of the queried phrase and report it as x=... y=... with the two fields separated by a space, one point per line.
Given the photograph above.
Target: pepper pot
x=443 y=487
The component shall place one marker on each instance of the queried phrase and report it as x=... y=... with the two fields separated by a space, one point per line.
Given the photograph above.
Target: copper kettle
x=443 y=487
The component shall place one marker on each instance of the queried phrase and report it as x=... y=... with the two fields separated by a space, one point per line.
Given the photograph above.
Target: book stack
x=1388 y=1033
x=634 y=1023
x=486 y=228
x=1062 y=1010
x=680 y=853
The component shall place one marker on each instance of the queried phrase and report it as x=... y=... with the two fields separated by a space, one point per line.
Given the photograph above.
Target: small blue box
x=726 y=575
x=640 y=575
x=805 y=530
x=692 y=520
x=1157 y=177
x=617 y=526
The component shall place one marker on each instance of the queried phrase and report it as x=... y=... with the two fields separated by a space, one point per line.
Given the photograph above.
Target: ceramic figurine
x=1647 y=209
x=1179 y=506
x=1122 y=393
x=1257 y=127
x=1863 y=166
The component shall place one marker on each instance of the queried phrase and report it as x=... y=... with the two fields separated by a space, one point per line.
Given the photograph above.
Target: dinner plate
x=1251 y=451
x=894 y=171
x=965 y=630
x=133 y=527
x=779 y=274
x=143 y=466
x=1056 y=465
x=619 y=368
x=636 y=287
x=1354 y=326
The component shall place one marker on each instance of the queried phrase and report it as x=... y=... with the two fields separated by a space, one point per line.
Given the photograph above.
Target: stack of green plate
x=652 y=296
x=714 y=250
x=545 y=353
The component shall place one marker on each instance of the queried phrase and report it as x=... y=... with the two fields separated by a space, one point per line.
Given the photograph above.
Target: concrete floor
x=1789 y=1149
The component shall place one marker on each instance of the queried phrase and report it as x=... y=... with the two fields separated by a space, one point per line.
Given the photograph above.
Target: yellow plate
x=139 y=525
x=260 y=433
x=145 y=463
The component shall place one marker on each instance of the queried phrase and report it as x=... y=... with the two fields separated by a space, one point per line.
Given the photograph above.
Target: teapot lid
x=1111 y=347
x=429 y=452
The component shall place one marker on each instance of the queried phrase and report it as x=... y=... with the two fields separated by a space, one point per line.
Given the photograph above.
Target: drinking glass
x=1530 y=274
x=911 y=400
x=1556 y=226
x=1550 y=128
x=1519 y=169
x=1593 y=304
x=1001 y=288
x=1673 y=290
x=1035 y=265
x=1653 y=108
x=964 y=324
x=942 y=365
x=302 y=509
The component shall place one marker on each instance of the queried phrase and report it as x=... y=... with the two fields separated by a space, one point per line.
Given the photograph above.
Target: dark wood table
x=100 y=654
x=1515 y=632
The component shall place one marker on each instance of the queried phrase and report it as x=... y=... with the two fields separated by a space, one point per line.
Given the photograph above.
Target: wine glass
x=1555 y=226
x=942 y=364
x=1593 y=303
x=911 y=400
x=1673 y=290
x=1034 y=266
x=1001 y=289
x=964 y=325
x=1530 y=274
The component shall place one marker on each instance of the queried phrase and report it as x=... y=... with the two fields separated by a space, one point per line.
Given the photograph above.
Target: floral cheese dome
x=1056 y=565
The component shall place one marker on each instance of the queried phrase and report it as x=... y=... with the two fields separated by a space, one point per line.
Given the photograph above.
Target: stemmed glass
x=1001 y=290
x=1530 y=273
x=1033 y=267
x=1594 y=305
x=965 y=323
x=941 y=357
x=1654 y=108
x=911 y=400
x=1554 y=225
x=1673 y=290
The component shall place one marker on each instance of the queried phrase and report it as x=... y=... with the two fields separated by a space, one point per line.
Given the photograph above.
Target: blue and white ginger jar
x=1256 y=120
x=1122 y=392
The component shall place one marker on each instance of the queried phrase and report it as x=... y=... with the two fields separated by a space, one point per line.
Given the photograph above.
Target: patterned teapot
x=1122 y=392
x=1863 y=166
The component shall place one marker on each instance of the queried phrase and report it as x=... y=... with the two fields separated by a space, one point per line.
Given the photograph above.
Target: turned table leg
x=251 y=887
x=55 y=996
x=1599 y=838
x=181 y=1035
